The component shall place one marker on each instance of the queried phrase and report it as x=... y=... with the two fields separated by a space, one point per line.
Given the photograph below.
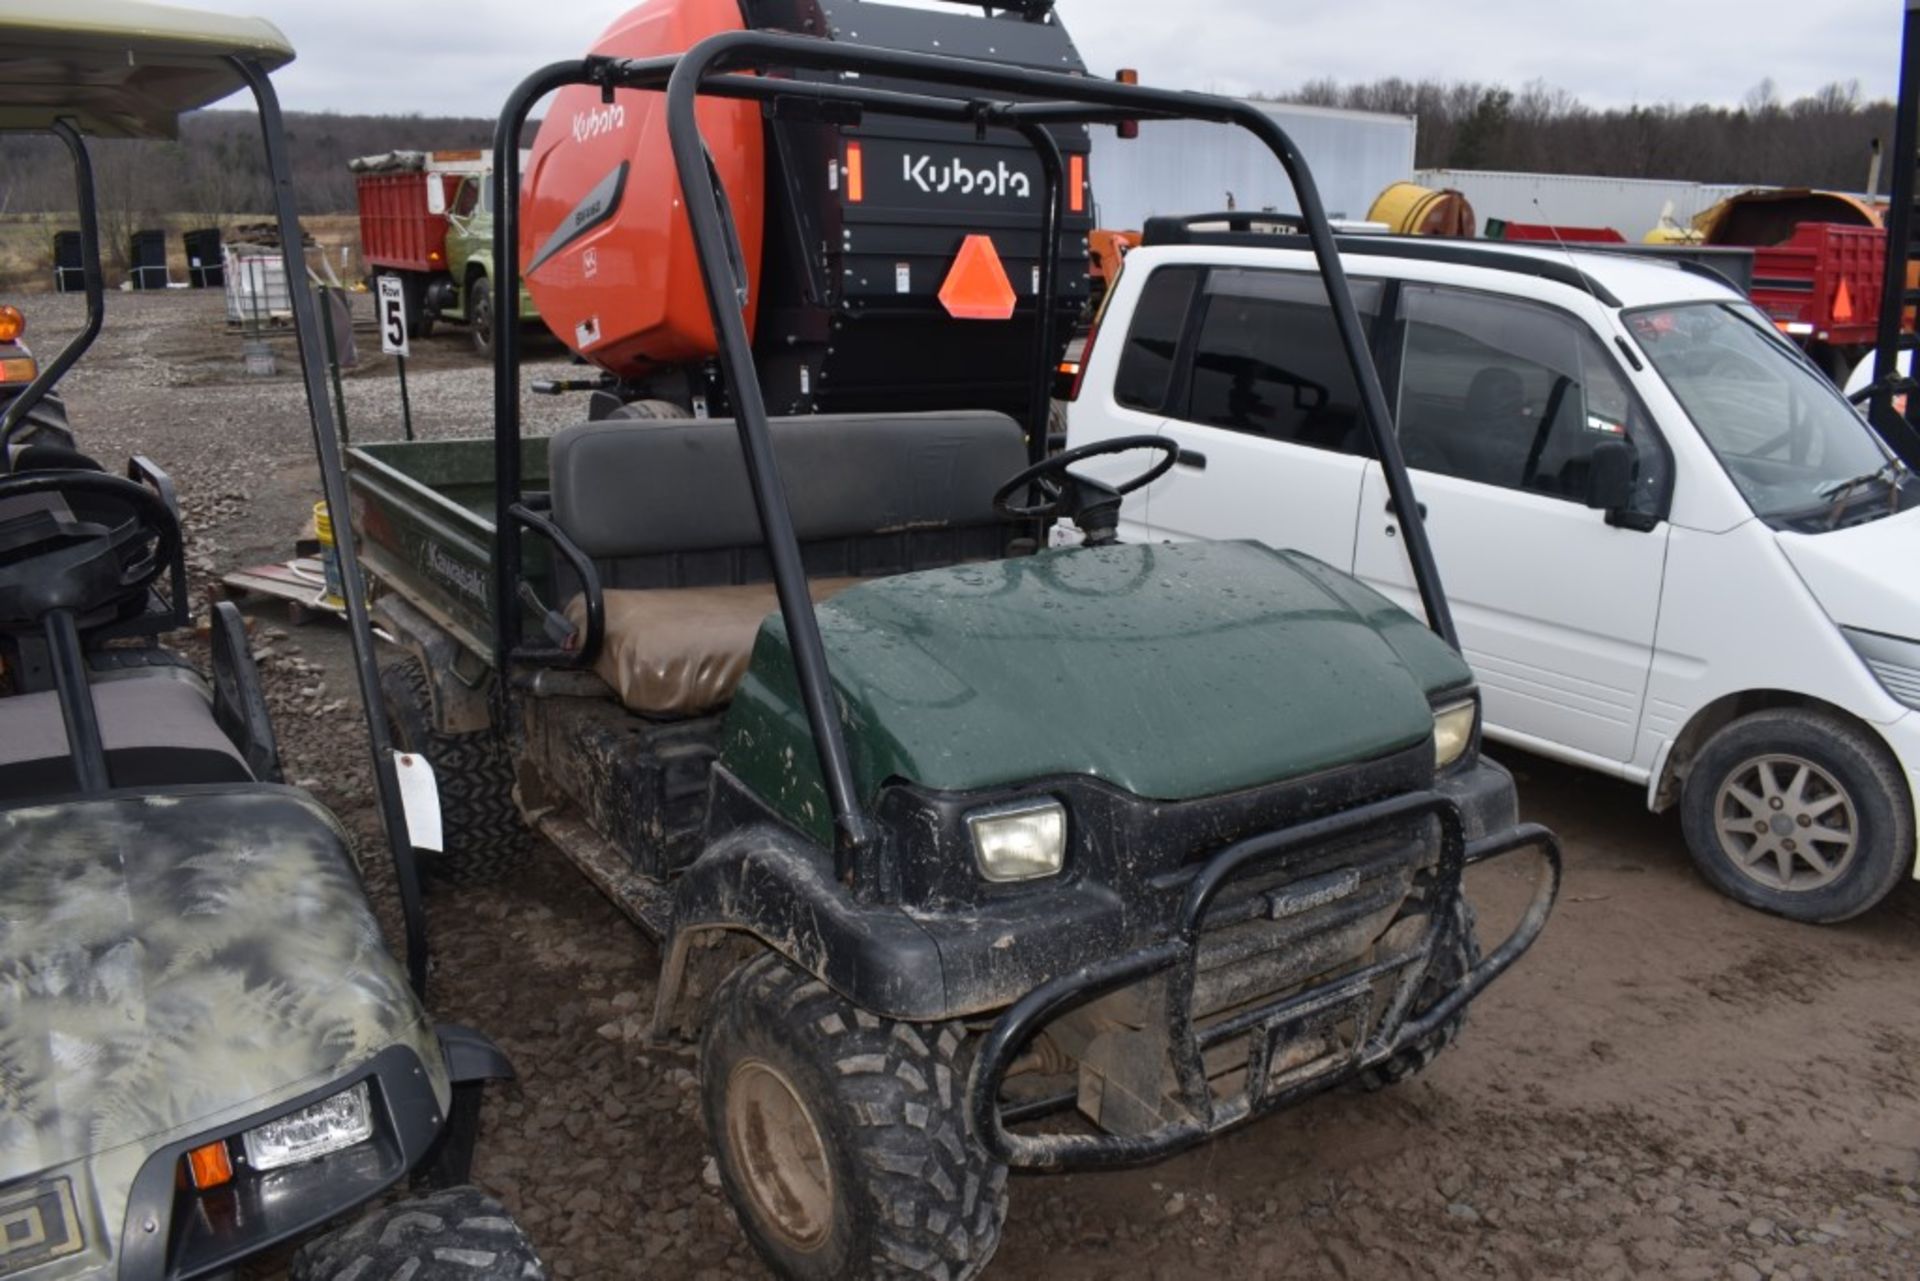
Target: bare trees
x=1821 y=140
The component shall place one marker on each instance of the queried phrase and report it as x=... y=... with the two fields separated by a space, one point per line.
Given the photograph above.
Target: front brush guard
x=1269 y=1024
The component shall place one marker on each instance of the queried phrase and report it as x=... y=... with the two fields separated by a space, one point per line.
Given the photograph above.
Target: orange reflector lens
x=12 y=323
x=210 y=1166
x=1843 y=303
x=977 y=288
x=856 y=174
x=20 y=369
x=1077 y=184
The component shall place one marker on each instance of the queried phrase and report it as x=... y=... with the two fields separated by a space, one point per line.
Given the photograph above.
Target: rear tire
x=480 y=318
x=484 y=836
x=1799 y=814
x=1446 y=972
x=461 y=1234
x=841 y=1138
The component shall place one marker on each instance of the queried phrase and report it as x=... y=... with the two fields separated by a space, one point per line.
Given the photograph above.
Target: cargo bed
x=423 y=512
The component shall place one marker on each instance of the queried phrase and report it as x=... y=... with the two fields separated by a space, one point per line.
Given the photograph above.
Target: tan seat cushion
x=684 y=651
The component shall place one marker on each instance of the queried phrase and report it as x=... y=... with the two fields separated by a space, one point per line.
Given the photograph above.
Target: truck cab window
x=1146 y=366
x=468 y=200
x=1517 y=395
x=1269 y=361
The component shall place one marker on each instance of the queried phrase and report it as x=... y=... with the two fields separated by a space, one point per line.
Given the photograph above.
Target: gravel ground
x=1667 y=1086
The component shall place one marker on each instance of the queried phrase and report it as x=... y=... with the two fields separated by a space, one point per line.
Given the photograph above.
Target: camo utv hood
x=172 y=963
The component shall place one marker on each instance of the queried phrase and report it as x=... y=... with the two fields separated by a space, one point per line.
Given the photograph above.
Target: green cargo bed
x=423 y=512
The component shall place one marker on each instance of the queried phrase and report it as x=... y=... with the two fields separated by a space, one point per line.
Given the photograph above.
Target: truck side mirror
x=436 y=194
x=1610 y=476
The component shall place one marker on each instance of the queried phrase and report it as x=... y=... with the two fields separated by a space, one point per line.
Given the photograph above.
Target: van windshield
x=1802 y=457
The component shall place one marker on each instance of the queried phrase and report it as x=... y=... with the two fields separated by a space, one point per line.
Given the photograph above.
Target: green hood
x=1173 y=672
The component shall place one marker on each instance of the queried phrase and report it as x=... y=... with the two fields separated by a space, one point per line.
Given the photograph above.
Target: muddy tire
x=461 y=1234
x=1443 y=976
x=480 y=317
x=841 y=1138
x=1799 y=814
x=483 y=833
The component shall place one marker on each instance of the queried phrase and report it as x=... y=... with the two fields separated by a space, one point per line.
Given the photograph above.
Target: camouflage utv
x=206 y=1051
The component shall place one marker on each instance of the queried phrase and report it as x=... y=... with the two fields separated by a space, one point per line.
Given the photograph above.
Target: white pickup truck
x=1676 y=555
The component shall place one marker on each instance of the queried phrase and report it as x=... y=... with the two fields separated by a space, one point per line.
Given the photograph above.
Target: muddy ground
x=1669 y=1085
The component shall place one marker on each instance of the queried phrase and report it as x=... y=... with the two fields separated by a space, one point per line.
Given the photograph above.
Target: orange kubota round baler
x=893 y=264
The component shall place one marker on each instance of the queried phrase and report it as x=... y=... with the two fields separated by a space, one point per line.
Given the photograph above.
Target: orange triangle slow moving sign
x=1843 y=303
x=977 y=288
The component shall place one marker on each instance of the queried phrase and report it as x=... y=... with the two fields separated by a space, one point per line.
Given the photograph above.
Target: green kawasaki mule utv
x=206 y=1050
x=983 y=857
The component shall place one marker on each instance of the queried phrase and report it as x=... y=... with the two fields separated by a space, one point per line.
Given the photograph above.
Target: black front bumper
x=1281 y=1021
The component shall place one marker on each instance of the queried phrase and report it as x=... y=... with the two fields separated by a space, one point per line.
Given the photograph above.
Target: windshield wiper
x=1841 y=492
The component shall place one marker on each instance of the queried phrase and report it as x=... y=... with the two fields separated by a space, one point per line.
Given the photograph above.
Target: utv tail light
x=339 y=1121
x=18 y=369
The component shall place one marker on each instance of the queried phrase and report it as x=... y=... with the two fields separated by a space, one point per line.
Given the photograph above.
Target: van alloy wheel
x=1799 y=812
x=1787 y=823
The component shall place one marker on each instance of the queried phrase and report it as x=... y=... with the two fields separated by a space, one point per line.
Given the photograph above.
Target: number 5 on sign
x=393 y=317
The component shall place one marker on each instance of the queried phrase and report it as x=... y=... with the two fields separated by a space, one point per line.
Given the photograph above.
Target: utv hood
x=172 y=962
x=1173 y=672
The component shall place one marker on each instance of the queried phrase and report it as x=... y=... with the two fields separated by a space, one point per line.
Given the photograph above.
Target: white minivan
x=1675 y=553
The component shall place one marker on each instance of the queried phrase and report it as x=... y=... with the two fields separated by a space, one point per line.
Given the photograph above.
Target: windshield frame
x=1748 y=314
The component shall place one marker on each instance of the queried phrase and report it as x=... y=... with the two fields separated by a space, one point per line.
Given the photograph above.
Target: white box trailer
x=1187 y=167
x=1631 y=206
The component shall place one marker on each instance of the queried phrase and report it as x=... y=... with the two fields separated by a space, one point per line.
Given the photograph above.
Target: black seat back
x=667 y=504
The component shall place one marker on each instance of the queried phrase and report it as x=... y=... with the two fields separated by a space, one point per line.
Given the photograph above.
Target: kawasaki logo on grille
x=934 y=177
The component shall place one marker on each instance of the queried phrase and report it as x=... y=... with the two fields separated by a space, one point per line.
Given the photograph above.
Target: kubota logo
x=591 y=124
x=931 y=177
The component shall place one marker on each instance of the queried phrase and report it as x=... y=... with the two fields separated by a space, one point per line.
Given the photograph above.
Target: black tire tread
x=939 y=1205
x=484 y=836
x=1443 y=975
x=461 y=1234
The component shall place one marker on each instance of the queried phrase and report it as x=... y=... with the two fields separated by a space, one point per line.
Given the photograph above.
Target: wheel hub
x=782 y=1160
x=1787 y=823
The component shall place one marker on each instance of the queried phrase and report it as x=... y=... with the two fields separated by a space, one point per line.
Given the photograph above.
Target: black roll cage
x=1002 y=96
x=333 y=476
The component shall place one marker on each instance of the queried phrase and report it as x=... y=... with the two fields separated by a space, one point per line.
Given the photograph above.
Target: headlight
x=336 y=1122
x=1453 y=732
x=1895 y=663
x=1022 y=843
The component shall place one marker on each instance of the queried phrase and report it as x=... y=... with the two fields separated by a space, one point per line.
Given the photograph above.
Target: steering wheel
x=1092 y=505
x=104 y=542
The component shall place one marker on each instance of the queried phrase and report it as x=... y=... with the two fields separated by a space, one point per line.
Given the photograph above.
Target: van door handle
x=1191 y=458
x=1419 y=507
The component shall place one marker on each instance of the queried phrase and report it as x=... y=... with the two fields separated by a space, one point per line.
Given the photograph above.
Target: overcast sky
x=461 y=57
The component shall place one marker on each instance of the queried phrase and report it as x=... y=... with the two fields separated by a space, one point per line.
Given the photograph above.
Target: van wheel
x=1798 y=814
x=483 y=833
x=1447 y=971
x=842 y=1138
x=480 y=315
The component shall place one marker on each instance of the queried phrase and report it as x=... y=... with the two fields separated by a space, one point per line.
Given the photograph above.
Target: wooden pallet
x=301 y=583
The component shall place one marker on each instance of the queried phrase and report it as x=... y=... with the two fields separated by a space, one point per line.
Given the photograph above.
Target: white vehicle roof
x=1632 y=281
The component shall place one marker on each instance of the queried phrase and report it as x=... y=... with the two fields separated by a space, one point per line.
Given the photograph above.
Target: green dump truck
x=427 y=217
